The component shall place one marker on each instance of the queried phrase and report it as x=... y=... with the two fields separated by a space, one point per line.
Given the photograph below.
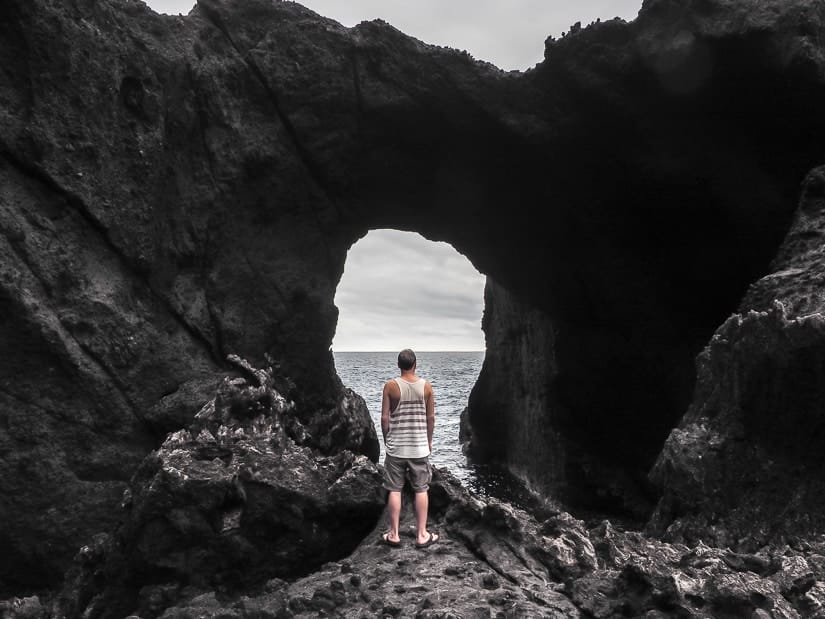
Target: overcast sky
x=398 y=289
x=401 y=291
x=508 y=33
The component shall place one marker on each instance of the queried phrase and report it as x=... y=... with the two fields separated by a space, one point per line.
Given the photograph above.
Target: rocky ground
x=494 y=560
x=233 y=518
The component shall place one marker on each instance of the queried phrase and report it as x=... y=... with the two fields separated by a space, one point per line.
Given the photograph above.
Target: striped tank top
x=407 y=437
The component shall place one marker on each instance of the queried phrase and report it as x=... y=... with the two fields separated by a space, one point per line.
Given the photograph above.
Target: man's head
x=406 y=359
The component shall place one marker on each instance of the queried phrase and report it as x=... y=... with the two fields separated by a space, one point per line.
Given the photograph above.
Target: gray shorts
x=417 y=470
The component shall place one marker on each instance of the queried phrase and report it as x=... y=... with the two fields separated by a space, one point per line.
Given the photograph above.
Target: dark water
x=452 y=375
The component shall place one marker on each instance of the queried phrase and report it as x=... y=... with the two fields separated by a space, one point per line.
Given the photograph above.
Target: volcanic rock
x=174 y=189
x=662 y=199
x=229 y=503
x=497 y=560
x=745 y=467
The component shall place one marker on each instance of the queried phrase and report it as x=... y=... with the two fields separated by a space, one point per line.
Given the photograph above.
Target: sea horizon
x=416 y=350
x=453 y=373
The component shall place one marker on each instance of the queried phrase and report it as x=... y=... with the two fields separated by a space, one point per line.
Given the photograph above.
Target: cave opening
x=594 y=362
x=400 y=290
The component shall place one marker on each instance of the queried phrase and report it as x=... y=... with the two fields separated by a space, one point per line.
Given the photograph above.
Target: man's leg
x=421 y=475
x=394 y=512
x=422 y=505
x=393 y=484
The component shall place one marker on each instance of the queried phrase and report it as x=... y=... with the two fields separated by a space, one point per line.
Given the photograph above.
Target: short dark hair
x=406 y=359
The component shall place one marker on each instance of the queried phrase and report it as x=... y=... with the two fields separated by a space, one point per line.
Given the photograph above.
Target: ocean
x=452 y=375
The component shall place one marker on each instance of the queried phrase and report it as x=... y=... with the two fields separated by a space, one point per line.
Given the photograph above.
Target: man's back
x=408 y=436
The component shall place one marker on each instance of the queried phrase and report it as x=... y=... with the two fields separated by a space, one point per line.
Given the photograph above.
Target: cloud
x=171 y=7
x=400 y=290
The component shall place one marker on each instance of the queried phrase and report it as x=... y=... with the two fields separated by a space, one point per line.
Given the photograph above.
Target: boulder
x=227 y=504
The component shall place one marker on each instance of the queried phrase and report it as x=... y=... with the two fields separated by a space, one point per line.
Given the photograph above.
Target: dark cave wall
x=155 y=218
x=178 y=189
x=699 y=119
x=744 y=467
x=513 y=407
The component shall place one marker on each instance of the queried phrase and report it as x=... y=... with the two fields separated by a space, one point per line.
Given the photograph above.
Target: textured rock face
x=665 y=198
x=517 y=416
x=174 y=190
x=227 y=504
x=745 y=466
x=525 y=437
x=137 y=251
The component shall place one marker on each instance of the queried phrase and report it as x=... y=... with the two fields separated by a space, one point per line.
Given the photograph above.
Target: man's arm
x=385 y=411
x=429 y=400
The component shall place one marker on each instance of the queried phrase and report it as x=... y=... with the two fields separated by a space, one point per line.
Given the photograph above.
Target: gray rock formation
x=665 y=196
x=174 y=190
x=745 y=466
x=226 y=505
x=495 y=560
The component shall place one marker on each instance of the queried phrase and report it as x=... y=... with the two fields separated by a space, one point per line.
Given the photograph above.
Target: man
x=407 y=420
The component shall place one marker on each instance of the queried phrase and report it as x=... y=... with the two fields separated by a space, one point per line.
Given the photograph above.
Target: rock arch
x=618 y=218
